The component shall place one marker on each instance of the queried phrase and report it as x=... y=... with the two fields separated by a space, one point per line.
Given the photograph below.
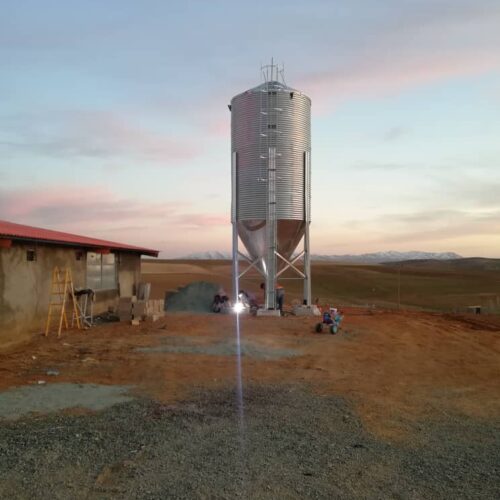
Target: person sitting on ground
x=243 y=298
x=225 y=305
x=222 y=293
x=216 y=304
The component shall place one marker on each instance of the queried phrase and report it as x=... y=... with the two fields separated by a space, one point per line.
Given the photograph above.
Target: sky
x=114 y=119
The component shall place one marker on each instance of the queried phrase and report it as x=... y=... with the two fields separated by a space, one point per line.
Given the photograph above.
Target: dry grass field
x=440 y=286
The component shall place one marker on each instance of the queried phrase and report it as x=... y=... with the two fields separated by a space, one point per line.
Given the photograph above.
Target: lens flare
x=239 y=389
x=238 y=307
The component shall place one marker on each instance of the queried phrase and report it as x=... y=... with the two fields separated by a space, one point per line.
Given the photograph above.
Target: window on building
x=30 y=255
x=101 y=271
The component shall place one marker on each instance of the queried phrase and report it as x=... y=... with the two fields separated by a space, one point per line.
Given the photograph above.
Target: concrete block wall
x=25 y=285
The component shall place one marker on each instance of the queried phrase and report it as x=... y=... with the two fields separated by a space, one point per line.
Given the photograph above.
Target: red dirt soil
x=396 y=367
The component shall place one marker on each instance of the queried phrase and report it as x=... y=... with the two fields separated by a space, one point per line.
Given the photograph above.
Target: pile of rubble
x=196 y=297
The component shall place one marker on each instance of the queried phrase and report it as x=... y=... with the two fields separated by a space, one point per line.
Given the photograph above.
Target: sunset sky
x=114 y=119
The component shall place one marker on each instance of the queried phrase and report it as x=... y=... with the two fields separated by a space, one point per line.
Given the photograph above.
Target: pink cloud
x=388 y=75
x=99 y=134
x=101 y=213
x=466 y=232
x=75 y=205
x=203 y=220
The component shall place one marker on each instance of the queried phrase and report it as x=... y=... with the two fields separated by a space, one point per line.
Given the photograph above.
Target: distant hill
x=459 y=264
x=366 y=258
x=390 y=256
x=208 y=255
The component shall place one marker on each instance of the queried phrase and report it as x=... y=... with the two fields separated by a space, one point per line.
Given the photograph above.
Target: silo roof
x=272 y=85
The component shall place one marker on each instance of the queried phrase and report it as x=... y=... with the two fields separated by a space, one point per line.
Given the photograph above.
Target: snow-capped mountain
x=390 y=256
x=367 y=258
x=209 y=255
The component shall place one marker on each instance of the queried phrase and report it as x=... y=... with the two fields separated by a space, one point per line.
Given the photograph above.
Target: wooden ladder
x=61 y=286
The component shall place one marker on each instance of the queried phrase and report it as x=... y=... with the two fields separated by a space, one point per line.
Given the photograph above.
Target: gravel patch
x=21 y=401
x=226 y=347
x=292 y=444
x=196 y=297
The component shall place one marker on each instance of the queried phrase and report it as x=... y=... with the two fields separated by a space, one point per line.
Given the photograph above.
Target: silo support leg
x=307 y=268
x=235 y=263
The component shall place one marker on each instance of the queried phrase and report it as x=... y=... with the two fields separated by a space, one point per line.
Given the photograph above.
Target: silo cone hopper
x=252 y=234
x=271 y=192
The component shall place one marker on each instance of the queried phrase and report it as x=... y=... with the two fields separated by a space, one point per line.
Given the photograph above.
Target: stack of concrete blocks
x=155 y=309
x=125 y=308
x=138 y=310
x=135 y=311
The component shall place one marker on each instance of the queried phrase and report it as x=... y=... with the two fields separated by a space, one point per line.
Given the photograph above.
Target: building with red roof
x=28 y=256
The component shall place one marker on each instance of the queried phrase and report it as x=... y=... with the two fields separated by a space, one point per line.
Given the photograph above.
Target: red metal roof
x=10 y=230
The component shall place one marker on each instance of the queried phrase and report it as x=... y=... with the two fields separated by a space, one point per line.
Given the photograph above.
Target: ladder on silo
x=271 y=231
x=270 y=134
x=62 y=292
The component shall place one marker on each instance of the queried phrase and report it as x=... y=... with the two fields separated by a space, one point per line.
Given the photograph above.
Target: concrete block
x=139 y=309
x=154 y=306
x=306 y=311
x=124 y=303
x=268 y=312
x=135 y=322
x=124 y=310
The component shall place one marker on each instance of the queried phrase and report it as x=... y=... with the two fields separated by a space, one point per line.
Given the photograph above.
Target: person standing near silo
x=280 y=297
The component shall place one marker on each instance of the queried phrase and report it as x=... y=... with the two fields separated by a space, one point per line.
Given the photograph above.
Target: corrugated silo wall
x=263 y=118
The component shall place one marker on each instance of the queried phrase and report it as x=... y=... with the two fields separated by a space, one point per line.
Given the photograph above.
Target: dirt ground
x=395 y=367
x=396 y=405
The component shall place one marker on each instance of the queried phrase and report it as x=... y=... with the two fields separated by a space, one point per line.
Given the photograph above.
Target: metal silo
x=271 y=191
